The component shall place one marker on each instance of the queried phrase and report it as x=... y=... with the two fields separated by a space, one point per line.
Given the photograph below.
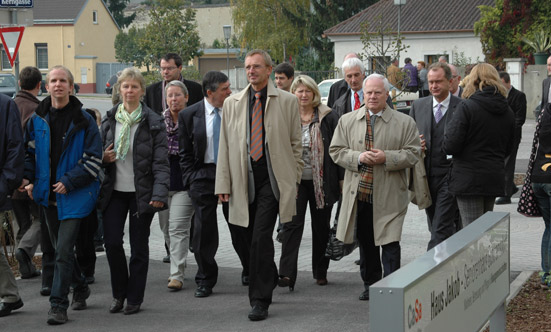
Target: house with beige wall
x=78 y=34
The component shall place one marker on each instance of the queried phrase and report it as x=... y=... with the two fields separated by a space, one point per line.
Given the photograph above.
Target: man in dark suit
x=546 y=91
x=354 y=75
x=455 y=89
x=155 y=98
x=171 y=69
x=431 y=114
x=340 y=87
x=199 y=133
x=517 y=102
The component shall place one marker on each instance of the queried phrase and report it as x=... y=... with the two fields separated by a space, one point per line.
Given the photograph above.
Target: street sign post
x=11 y=38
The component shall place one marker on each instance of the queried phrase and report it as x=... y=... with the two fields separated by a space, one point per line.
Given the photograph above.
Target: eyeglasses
x=168 y=68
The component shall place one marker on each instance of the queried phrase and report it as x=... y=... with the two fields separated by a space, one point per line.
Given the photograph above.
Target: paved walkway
x=308 y=308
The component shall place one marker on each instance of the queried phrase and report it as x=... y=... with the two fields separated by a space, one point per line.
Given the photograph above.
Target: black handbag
x=336 y=249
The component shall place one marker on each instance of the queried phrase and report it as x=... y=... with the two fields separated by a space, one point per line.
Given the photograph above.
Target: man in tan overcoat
x=258 y=169
x=375 y=145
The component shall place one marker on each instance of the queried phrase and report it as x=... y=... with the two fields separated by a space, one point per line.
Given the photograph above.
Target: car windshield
x=324 y=88
x=7 y=81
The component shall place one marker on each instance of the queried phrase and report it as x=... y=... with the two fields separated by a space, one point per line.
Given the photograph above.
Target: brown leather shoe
x=321 y=282
x=175 y=284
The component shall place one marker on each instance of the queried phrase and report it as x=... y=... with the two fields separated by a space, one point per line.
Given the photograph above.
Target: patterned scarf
x=365 y=187
x=316 y=148
x=122 y=143
x=172 y=133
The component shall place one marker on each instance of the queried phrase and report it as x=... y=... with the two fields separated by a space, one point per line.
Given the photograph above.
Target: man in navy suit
x=431 y=114
x=199 y=132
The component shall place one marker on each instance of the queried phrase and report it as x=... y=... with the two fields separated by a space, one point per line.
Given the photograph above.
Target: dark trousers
x=48 y=252
x=241 y=241
x=63 y=236
x=127 y=281
x=291 y=235
x=370 y=266
x=442 y=213
x=510 y=167
x=85 y=249
x=205 y=231
x=262 y=218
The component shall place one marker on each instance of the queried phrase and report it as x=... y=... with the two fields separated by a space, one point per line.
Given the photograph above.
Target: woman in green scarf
x=136 y=186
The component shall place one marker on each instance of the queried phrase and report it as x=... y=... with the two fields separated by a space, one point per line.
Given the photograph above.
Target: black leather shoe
x=116 y=305
x=515 y=190
x=258 y=313
x=131 y=309
x=45 y=291
x=90 y=280
x=166 y=259
x=7 y=308
x=203 y=291
x=286 y=282
x=503 y=200
x=245 y=280
x=357 y=262
x=365 y=295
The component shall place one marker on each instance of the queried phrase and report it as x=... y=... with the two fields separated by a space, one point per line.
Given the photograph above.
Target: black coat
x=12 y=155
x=336 y=91
x=151 y=168
x=517 y=101
x=332 y=173
x=154 y=95
x=479 y=136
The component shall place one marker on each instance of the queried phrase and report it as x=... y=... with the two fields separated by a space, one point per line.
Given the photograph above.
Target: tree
x=172 y=28
x=501 y=28
x=116 y=7
x=381 y=43
x=127 y=48
x=262 y=24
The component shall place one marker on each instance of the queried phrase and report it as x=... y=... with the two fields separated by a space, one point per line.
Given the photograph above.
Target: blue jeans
x=543 y=196
x=63 y=236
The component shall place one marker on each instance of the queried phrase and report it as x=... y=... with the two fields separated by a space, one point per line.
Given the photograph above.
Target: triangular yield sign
x=11 y=38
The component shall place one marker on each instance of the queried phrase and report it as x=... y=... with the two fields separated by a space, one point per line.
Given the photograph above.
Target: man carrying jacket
x=62 y=163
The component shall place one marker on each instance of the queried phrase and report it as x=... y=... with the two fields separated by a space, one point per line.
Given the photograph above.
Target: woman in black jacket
x=136 y=183
x=479 y=137
x=319 y=185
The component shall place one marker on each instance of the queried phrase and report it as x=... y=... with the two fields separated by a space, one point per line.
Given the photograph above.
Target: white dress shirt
x=445 y=105
x=209 y=123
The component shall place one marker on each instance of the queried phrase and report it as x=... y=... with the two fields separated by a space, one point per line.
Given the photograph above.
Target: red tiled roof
x=416 y=16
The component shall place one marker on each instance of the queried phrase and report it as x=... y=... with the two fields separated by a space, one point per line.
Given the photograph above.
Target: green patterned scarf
x=122 y=143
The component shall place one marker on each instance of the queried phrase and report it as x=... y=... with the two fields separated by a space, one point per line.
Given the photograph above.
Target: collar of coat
x=153 y=119
x=386 y=116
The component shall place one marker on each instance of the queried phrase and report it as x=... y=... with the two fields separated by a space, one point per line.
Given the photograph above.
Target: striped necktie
x=256 y=129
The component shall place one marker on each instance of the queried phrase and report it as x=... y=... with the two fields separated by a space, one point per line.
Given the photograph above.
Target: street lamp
x=227 y=35
x=399 y=3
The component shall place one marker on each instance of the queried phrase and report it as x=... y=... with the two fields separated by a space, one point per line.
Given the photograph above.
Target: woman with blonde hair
x=136 y=184
x=479 y=137
x=319 y=186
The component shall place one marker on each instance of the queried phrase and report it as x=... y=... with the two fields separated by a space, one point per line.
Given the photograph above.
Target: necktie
x=216 y=133
x=256 y=129
x=438 y=115
x=373 y=119
x=356 y=101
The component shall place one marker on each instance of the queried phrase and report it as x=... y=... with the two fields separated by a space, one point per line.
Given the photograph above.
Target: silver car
x=7 y=84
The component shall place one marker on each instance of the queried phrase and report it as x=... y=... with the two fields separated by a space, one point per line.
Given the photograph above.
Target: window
x=5 y=61
x=430 y=59
x=95 y=17
x=41 y=56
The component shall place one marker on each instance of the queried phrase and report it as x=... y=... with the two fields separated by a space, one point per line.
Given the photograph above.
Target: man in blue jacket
x=62 y=164
x=11 y=172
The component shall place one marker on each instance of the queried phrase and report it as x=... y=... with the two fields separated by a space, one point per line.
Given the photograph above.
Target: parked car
x=44 y=90
x=324 y=87
x=110 y=83
x=403 y=99
x=7 y=84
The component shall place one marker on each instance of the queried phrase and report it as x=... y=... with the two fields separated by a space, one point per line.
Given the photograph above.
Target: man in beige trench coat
x=259 y=167
x=375 y=145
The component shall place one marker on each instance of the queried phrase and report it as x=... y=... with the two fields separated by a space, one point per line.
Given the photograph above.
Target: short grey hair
x=379 y=77
x=178 y=84
x=352 y=63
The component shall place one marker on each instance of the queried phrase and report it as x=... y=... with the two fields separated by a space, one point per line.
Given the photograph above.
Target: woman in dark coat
x=319 y=186
x=479 y=137
x=136 y=183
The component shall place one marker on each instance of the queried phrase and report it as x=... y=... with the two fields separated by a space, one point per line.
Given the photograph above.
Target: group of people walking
x=262 y=153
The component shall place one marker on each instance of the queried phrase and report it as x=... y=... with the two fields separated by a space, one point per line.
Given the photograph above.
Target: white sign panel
x=470 y=284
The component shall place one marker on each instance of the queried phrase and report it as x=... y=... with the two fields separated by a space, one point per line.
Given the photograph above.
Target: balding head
x=455 y=79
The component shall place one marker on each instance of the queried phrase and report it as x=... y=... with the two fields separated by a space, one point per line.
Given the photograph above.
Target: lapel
x=348 y=102
x=200 y=130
